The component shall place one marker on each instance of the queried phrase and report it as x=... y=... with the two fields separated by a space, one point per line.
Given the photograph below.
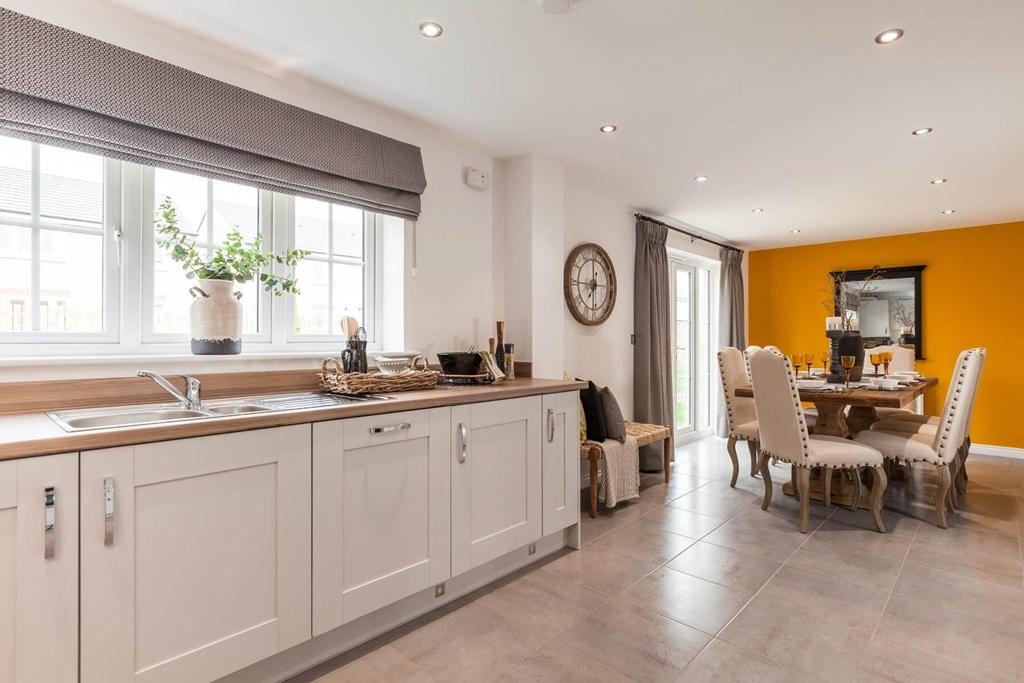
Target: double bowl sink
x=149 y=414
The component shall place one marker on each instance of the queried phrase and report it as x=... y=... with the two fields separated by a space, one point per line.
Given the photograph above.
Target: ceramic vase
x=215 y=318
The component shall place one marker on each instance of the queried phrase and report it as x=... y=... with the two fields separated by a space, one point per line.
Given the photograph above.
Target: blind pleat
x=62 y=88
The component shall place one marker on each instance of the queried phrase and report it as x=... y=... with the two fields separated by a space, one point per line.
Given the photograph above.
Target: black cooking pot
x=460 y=362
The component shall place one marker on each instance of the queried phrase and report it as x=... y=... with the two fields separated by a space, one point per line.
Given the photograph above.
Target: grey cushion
x=614 y=423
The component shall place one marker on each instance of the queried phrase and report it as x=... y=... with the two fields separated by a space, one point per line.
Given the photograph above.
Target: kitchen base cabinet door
x=195 y=555
x=381 y=512
x=39 y=569
x=496 y=479
x=561 y=461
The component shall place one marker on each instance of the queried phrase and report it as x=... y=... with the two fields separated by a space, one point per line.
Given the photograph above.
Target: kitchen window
x=82 y=272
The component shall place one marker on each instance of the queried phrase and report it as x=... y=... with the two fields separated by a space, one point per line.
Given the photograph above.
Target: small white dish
x=889 y=384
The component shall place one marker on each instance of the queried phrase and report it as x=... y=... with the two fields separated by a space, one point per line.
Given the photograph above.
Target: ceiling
x=788 y=105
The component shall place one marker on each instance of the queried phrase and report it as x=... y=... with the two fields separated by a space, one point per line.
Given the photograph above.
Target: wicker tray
x=335 y=381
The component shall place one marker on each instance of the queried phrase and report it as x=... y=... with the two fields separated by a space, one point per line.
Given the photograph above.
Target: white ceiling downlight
x=700 y=179
x=921 y=131
x=757 y=210
x=609 y=128
x=431 y=29
x=889 y=36
x=794 y=231
x=938 y=181
x=946 y=212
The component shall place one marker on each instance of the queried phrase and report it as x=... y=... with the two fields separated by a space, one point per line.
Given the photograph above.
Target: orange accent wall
x=973 y=295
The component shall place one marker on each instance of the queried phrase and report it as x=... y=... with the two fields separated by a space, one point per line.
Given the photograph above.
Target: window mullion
x=330 y=269
x=37 y=243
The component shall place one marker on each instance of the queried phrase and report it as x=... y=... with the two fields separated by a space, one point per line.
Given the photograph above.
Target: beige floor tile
x=636 y=642
x=886 y=661
x=735 y=569
x=644 y=543
x=725 y=504
x=683 y=484
x=558 y=663
x=721 y=662
x=600 y=569
x=979 y=554
x=988 y=645
x=543 y=603
x=467 y=644
x=773 y=545
x=840 y=533
x=869 y=570
x=962 y=593
x=690 y=524
x=383 y=664
x=687 y=599
x=801 y=619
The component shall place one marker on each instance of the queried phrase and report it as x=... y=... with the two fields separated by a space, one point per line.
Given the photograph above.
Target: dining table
x=863 y=401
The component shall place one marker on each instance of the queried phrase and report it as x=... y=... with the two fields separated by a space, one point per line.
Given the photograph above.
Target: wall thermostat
x=478 y=180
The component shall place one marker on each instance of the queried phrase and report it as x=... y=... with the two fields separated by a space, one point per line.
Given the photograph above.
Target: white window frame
x=21 y=342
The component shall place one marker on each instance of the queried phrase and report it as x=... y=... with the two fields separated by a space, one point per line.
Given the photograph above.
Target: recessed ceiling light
x=946 y=212
x=609 y=128
x=922 y=131
x=758 y=210
x=889 y=36
x=795 y=231
x=938 y=181
x=431 y=29
x=701 y=179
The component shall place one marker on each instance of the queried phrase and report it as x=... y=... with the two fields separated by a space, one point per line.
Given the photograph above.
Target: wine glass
x=797 y=360
x=809 y=362
x=823 y=357
x=876 y=360
x=886 y=359
x=847 y=362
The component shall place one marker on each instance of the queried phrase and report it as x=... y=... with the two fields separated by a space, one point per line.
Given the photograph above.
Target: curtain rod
x=692 y=236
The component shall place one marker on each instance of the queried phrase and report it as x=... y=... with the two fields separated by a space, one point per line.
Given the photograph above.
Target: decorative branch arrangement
x=903 y=317
x=844 y=299
x=238 y=260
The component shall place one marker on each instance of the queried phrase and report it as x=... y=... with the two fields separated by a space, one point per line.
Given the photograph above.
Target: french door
x=693 y=309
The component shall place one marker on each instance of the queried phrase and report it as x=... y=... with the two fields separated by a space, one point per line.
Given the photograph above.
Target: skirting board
x=997 y=451
x=306 y=655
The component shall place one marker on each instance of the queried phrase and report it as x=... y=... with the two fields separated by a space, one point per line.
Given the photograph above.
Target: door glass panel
x=683 y=346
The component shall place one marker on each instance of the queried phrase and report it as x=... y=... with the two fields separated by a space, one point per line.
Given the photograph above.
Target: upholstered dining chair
x=739 y=411
x=903 y=360
x=911 y=423
x=784 y=436
x=747 y=353
x=941 y=444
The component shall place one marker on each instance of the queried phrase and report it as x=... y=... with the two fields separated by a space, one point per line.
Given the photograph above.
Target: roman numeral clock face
x=589 y=283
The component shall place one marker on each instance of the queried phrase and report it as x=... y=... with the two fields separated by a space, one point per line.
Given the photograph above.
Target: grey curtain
x=66 y=89
x=731 y=330
x=652 y=352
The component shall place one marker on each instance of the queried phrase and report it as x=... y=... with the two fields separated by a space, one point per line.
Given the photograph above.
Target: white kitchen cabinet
x=496 y=479
x=195 y=555
x=39 y=569
x=561 y=461
x=381 y=512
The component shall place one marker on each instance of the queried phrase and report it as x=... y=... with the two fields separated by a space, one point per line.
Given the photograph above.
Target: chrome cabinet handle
x=391 y=428
x=551 y=425
x=462 y=443
x=49 y=521
x=108 y=511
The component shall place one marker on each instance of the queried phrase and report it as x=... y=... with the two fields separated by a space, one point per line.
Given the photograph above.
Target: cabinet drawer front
x=379 y=429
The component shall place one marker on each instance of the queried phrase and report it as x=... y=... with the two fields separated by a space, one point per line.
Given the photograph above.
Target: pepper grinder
x=499 y=354
x=510 y=361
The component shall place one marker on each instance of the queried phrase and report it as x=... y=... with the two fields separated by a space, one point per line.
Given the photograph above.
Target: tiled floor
x=695 y=582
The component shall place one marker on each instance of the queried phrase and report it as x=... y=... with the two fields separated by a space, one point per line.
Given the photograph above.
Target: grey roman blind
x=63 y=88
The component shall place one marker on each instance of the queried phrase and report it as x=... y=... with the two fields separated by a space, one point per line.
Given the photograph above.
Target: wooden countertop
x=31 y=434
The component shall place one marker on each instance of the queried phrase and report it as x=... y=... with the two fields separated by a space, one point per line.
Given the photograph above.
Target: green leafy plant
x=238 y=260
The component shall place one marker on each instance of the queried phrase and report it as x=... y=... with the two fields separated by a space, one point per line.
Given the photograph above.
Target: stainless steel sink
x=134 y=416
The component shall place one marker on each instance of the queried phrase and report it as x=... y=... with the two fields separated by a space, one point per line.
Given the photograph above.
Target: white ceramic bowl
x=392 y=366
x=890 y=384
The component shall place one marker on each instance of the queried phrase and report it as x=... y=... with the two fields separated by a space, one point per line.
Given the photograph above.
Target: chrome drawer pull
x=391 y=428
x=462 y=443
x=551 y=425
x=50 y=521
x=108 y=511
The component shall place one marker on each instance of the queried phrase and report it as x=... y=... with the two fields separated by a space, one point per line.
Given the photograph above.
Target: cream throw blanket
x=620 y=471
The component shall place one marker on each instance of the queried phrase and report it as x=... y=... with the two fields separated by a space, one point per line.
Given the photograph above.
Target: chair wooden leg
x=752 y=446
x=804 y=475
x=593 y=488
x=878 y=485
x=954 y=475
x=794 y=482
x=766 y=476
x=730 y=446
x=908 y=476
x=668 y=458
x=960 y=478
x=858 y=489
x=943 y=493
x=828 y=486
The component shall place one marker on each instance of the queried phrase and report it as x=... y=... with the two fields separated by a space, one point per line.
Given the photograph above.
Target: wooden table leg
x=593 y=487
x=831 y=420
x=668 y=457
x=861 y=418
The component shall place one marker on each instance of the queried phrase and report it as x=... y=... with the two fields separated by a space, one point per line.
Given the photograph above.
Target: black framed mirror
x=887 y=302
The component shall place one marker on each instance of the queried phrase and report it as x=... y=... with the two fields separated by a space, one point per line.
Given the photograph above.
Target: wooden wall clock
x=589 y=284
